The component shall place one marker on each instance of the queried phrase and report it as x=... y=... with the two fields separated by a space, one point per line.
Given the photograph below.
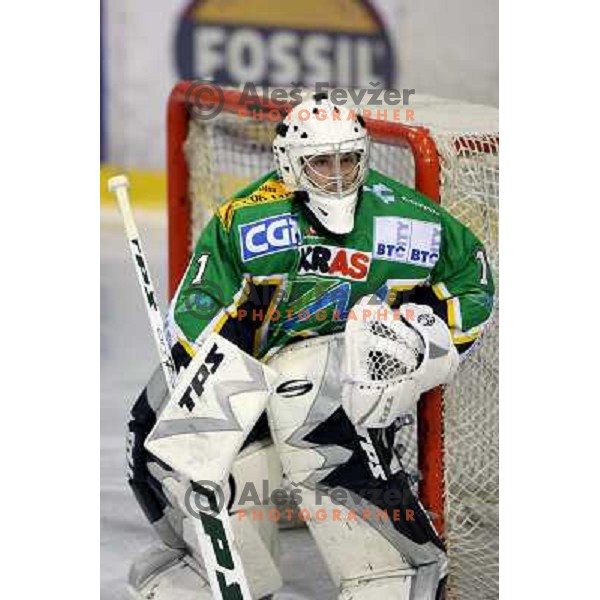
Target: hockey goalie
x=347 y=295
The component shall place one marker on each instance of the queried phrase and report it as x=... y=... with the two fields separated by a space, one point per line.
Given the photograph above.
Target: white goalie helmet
x=323 y=150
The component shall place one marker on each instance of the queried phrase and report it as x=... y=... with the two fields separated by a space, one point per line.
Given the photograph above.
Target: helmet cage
x=332 y=186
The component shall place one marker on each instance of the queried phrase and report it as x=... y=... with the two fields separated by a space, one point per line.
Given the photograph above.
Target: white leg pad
x=259 y=465
x=162 y=573
x=262 y=572
x=367 y=559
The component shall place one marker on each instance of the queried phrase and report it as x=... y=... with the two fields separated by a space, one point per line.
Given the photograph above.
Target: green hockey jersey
x=264 y=273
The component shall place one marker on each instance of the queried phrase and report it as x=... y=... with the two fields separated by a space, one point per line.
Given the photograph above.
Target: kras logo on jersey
x=269 y=236
x=331 y=261
x=275 y=43
x=407 y=241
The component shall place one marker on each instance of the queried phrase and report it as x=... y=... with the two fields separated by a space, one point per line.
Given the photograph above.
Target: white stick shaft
x=119 y=185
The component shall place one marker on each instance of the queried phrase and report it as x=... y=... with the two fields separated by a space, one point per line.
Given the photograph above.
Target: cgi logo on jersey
x=269 y=236
x=331 y=261
x=407 y=241
x=276 y=43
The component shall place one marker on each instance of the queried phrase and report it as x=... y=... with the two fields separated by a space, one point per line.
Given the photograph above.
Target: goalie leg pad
x=145 y=472
x=178 y=575
x=395 y=587
x=162 y=573
x=255 y=468
x=323 y=455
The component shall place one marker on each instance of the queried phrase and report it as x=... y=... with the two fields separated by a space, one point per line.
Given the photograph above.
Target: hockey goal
x=450 y=153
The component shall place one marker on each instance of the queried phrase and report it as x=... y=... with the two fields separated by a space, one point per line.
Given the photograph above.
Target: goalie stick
x=211 y=547
x=119 y=186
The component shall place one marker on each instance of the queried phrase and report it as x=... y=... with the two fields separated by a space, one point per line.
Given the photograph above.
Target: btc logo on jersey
x=330 y=261
x=407 y=241
x=269 y=236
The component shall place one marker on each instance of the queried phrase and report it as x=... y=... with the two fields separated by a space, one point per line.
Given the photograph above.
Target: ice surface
x=127 y=357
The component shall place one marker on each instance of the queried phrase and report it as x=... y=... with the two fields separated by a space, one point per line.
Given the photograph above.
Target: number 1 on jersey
x=484 y=268
x=202 y=260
